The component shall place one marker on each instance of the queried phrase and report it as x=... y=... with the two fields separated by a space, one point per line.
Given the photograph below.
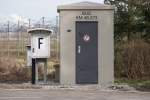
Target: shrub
x=137 y=59
x=13 y=70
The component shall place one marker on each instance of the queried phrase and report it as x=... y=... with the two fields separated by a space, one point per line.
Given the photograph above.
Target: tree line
x=132 y=38
x=132 y=18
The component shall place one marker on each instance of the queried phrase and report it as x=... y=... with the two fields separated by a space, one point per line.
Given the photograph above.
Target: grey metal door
x=86 y=52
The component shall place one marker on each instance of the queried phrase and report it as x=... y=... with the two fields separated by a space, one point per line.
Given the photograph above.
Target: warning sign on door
x=86 y=38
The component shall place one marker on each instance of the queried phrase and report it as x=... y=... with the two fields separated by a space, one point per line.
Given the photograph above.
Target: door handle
x=79 y=49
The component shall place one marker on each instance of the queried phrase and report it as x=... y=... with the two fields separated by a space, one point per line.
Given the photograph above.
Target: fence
x=14 y=37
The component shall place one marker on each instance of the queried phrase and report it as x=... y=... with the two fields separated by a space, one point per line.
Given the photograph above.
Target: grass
x=142 y=85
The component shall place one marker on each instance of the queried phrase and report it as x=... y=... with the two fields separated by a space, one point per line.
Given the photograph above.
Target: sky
x=34 y=9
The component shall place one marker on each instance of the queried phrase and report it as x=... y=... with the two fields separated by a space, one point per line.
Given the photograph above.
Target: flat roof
x=86 y=6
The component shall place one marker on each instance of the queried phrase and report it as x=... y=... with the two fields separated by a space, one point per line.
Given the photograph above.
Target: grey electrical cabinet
x=39 y=51
x=40 y=42
x=86 y=44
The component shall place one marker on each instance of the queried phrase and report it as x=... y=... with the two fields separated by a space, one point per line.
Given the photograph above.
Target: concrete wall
x=105 y=46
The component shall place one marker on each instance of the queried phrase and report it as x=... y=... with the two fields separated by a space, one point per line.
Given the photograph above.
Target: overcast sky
x=33 y=9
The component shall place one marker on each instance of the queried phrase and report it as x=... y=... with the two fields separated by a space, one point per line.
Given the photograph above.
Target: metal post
x=36 y=71
x=29 y=35
x=33 y=71
x=43 y=21
x=29 y=23
x=18 y=42
x=45 y=71
x=8 y=38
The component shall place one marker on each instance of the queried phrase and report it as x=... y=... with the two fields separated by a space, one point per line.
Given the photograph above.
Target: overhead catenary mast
x=43 y=21
x=8 y=37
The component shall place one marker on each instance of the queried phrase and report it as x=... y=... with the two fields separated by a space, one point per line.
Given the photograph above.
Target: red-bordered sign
x=86 y=38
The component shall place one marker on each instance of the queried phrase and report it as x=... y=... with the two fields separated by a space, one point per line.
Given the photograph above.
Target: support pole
x=33 y=71
x=36 y=72
x=8 y=26
x=45 y=71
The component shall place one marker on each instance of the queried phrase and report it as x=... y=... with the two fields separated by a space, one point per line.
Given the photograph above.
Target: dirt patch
x=19 y=86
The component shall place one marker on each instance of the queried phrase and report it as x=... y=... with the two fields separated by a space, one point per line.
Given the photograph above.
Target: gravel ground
x=70 y=94
x=31 y=92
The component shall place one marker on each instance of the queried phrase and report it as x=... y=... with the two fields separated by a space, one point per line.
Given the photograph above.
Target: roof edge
x=39 y=29
x=85 y=6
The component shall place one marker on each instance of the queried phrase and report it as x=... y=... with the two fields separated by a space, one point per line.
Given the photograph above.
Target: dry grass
x=13 y=70
x=136 y=60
